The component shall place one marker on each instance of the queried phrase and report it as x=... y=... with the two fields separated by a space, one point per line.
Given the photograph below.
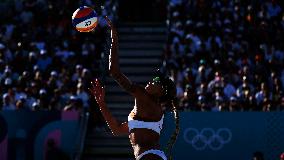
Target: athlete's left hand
x=98 y=91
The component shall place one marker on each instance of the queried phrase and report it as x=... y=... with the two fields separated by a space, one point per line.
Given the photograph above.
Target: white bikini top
x=155 y=126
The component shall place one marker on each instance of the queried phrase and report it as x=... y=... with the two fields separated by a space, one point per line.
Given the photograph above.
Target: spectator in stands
x=53 y=82
x=78 y=72
x=21 y=104
x=44 y=60
x=262 y=94
x=7 y=103
x=202 y=104
x=31 y=96
x=188 y=99
x=57 y=102
x=229 y=89
x=43 y=100
x=219 y=104
x=233 y=104
x=82 y=95
x=70 y=105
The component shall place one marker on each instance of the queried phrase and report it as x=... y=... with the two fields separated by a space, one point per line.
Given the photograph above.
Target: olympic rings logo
x=207 y=137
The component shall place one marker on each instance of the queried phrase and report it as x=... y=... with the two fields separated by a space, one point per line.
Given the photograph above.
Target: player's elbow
x=114 y=72
x=111 y=72
x=119 y=131
x=116 y=133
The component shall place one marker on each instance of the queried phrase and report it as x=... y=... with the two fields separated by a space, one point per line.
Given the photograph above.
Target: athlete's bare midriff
x=143 y=139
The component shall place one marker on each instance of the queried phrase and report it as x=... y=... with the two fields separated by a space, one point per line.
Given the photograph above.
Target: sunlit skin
x=147 y=105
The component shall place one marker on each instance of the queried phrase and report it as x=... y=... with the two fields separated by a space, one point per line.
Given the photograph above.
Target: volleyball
x=85 y=19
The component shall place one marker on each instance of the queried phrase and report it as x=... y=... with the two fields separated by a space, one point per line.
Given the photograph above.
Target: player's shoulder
x=138 y=86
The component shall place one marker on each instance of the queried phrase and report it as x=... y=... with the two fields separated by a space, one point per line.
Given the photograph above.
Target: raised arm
x=99 y=93
x=114 y=68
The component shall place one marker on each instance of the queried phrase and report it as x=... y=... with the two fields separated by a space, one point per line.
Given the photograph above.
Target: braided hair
x=174 y=135
x=170 y=98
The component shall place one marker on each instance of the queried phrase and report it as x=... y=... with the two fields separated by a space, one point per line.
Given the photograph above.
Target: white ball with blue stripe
x=85 y=19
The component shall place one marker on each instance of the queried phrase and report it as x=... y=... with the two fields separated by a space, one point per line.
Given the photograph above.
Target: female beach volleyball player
x=146 y=119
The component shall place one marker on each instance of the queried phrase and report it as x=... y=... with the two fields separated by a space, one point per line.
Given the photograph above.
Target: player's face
x=155 y=87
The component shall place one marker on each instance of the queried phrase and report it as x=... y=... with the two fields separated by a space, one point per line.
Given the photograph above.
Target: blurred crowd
x=45 y=64
x=223 y=55
x=226 y=55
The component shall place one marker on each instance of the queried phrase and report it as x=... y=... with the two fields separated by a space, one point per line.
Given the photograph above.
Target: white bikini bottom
x=153 y=151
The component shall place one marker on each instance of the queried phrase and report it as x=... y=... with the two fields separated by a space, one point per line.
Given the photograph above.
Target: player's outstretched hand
x=97 y=91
